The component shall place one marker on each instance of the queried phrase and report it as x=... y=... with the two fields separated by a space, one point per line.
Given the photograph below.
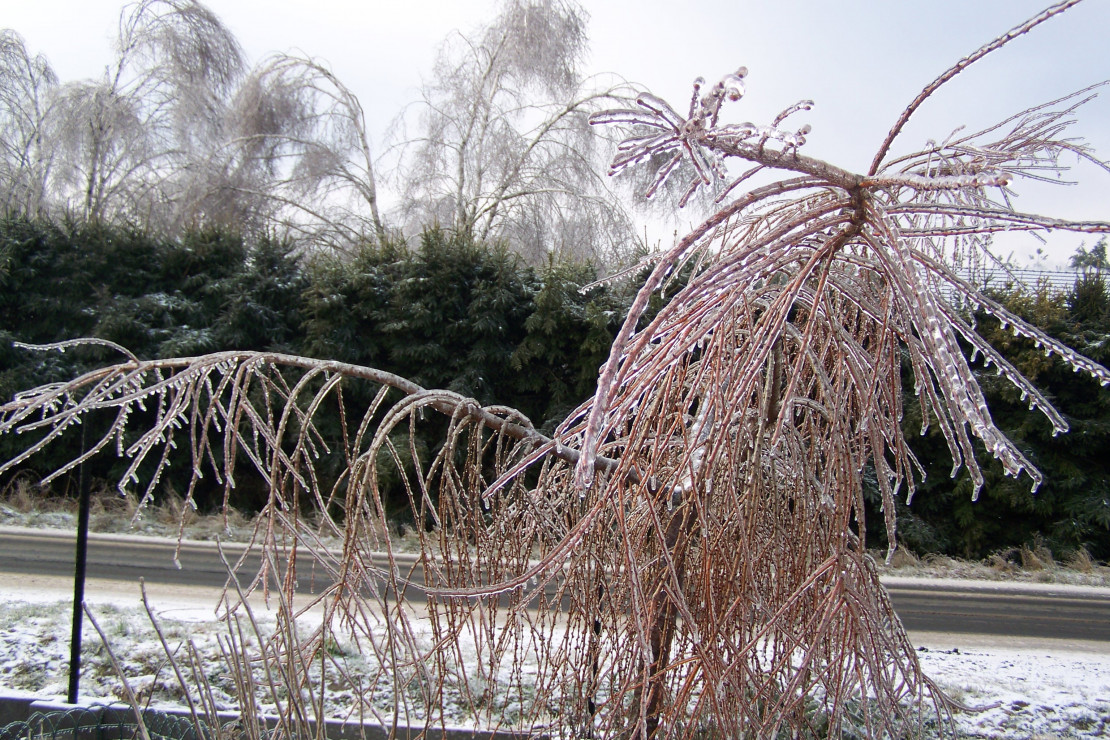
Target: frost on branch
x=663 y=131
x=917 y=228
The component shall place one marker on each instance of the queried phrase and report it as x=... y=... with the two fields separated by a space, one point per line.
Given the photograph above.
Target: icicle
x=975 y=491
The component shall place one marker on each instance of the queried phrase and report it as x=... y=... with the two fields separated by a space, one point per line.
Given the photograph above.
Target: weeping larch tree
x=686 y=553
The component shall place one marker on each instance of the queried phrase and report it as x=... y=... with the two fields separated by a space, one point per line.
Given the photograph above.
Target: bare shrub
x=1031 y=560
x=903 y=558
x=1081 y=561
x=686 y=553
x=24 y=495
x=1005 y=561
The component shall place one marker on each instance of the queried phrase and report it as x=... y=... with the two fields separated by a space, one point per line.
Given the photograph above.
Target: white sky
x=861 y=61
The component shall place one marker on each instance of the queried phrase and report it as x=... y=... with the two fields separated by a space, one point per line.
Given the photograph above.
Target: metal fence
x=1056 y=281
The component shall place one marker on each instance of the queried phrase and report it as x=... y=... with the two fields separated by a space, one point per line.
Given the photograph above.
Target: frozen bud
x=741 y=73
x=805 y=129
x=733 y=86
x=698 y=82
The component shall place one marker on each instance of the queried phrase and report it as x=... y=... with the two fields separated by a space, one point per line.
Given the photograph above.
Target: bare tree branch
x=958 y=67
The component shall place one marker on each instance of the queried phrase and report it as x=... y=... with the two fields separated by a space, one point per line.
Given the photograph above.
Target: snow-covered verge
x=34 y=659
x=1013 y=566
x=1041 y=691
x=1038 y=693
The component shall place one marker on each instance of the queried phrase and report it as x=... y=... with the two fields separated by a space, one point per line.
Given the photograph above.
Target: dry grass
x=27 y=504
x=1078 y=568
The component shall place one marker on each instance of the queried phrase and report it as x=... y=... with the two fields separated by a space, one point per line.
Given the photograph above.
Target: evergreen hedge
x=451 y=313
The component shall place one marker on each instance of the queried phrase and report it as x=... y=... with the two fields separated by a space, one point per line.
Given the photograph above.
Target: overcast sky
x=861 y=61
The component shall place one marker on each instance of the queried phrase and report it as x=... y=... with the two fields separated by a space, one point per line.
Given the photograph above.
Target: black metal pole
x=80 y=560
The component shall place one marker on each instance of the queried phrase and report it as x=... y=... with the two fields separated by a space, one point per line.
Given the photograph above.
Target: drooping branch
x=880 y=210
x=179 y=382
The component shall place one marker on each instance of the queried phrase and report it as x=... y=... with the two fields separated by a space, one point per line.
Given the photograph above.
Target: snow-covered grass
x=1038 y=691
x=1015 y=565
x=24 y=504
x=34 y=660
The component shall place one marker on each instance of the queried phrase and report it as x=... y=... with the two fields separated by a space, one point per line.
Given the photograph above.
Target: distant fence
x=1056 y=281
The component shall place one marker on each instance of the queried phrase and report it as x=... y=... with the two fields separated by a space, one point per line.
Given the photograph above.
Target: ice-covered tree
x=299 y=134
x=26 y=82
x=125 y=140
x=500 y=147
x=686 y=552
x=144 y=142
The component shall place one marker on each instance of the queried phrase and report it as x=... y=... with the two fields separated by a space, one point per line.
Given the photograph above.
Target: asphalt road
x=952 y=607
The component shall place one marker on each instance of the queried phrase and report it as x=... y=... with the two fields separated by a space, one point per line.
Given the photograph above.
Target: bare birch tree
x=303 y=134
x=503 y=149
x=175 y=133
x=126 y=142
x=25 y=85
x=686 y=554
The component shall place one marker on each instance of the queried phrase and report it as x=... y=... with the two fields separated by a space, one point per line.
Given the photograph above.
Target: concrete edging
x=20 y=708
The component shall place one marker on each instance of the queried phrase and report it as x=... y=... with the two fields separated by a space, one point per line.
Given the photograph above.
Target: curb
x=20 y=708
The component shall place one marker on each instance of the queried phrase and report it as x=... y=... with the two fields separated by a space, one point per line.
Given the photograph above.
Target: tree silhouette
x=686 y=552
x=1091 y=261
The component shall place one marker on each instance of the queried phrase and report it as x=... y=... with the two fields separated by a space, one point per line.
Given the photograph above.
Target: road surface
x=969 y=607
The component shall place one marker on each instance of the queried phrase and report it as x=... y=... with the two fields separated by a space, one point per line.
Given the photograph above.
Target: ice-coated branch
x=887 y=215
x=958 y=67
x=179 y=388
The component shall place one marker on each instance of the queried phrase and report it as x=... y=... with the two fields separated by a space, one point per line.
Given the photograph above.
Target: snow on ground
x=1042 y=691
x=35 y=623
x=1038 y=689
